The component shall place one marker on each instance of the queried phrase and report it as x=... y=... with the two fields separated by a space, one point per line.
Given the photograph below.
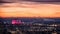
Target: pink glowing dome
x=16 y=22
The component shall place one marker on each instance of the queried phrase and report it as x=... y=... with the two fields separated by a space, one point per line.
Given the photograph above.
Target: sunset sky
x=29 y=10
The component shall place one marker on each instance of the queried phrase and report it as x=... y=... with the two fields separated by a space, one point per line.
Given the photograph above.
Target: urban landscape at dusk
x=29 y=16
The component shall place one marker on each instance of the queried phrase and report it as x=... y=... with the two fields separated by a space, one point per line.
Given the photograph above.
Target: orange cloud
x=29 y=10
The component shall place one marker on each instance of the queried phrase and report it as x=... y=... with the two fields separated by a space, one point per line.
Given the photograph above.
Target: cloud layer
x=29 y=10
x=25 y=0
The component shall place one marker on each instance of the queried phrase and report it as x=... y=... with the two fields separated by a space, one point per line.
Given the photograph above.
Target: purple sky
x=26 y=0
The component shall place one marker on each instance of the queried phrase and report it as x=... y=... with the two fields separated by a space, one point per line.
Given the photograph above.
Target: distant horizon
x=29 y=17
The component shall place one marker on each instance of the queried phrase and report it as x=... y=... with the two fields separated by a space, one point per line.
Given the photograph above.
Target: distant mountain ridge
x=33 y=20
